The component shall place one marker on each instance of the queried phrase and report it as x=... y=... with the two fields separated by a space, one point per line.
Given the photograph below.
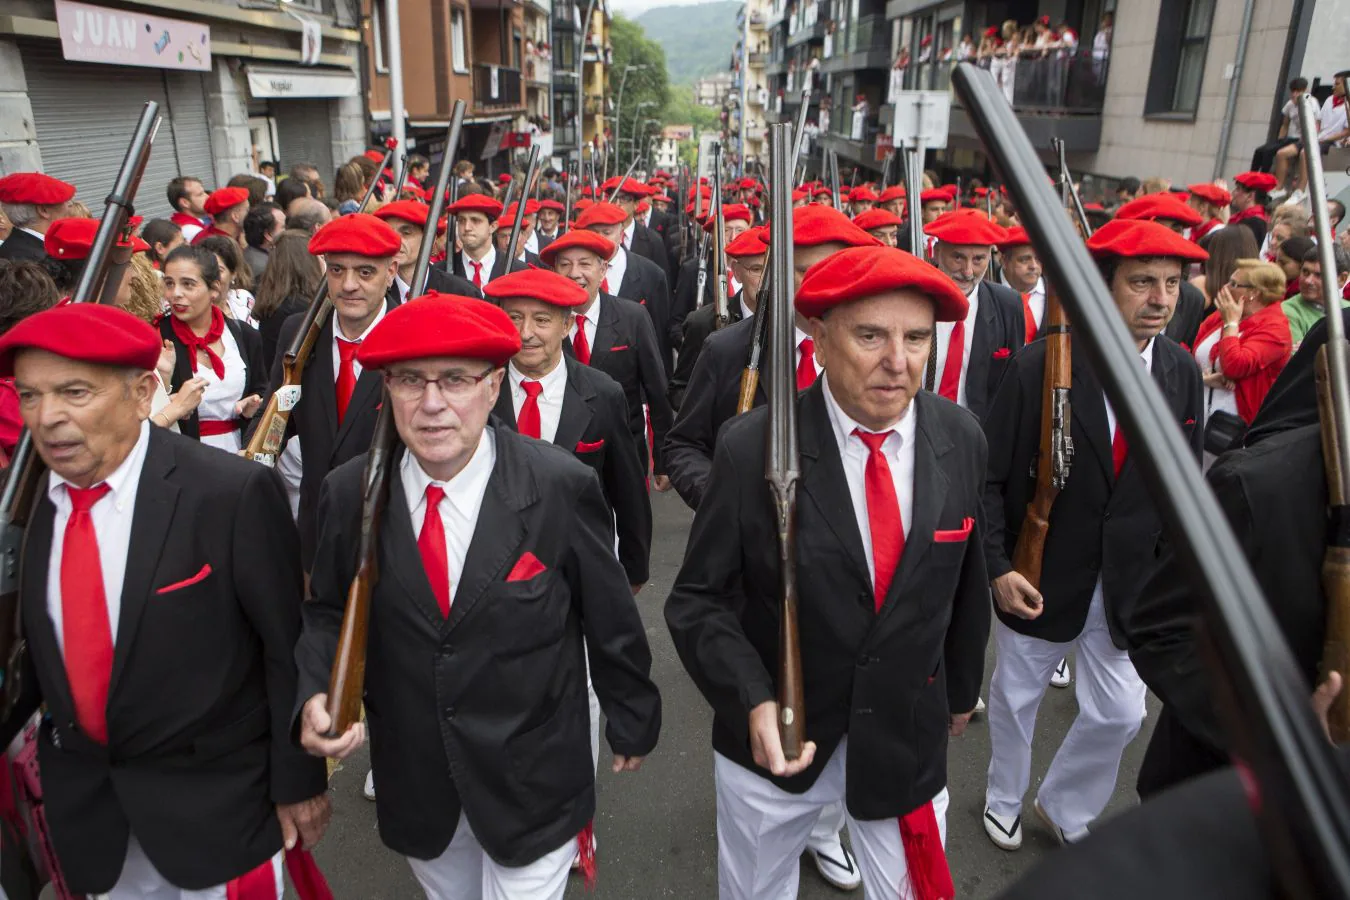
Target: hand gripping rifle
x=721 y=302
x=782 y=465
x=1304 y=808
x=270 y=432
x=99 y=281
x=346 y=683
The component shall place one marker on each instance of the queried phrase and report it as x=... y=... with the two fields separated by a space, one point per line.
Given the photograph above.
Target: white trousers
x=465 y=872
x=1110 y=697
x=762 y=830
x=140 y=880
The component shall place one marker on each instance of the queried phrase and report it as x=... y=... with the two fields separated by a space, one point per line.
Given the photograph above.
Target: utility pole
x=745 y=80
x=396 y=125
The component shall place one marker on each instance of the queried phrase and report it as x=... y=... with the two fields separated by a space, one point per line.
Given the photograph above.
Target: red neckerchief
x=1337 y=102
x=1255 y=211
x=1201 y=230
x=182 y=219
x=203 y=343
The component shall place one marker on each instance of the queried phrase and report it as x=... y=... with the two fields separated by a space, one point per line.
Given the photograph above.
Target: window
x=458 y=56
x=1179 y=59
x=379 y=18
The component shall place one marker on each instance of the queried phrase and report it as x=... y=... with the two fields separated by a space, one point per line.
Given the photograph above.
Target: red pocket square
x=584 y=447
x=1002 y=353
x=618 y=348
x=526 y=568
x=955 y=535
x=1188 y=422
x=186 y=582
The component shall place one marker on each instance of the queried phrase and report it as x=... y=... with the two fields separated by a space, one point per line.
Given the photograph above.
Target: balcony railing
x=758 y=59
x=539 y=69
x=496 y=86
x=1068 y=83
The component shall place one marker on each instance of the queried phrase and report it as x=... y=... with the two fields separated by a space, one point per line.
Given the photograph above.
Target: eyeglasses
x=409 y=386
x=1239 y=286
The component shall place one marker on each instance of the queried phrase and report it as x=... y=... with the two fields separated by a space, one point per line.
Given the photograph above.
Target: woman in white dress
x=224 y=353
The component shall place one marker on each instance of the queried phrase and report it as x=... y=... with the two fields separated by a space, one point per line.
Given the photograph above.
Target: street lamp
x=636 y=114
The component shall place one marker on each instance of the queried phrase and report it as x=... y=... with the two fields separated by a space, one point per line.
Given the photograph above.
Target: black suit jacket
x=21 y=245
x=486 y=711
x=440 y=280
x=645 y=283
x=686 y=290
x=250 y=348
x=1000 y=330
x=593 y=427
x=199 y=751
x=886 y=680
x=1189 y=313
x=698 y=326
x=625 y=349
x=649 y=244
x=498 y=266
x=1274 y=496
x=1100 y=525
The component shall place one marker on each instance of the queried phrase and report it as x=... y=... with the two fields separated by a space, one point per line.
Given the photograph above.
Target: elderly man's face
x=584 y=267
x=441 y=406
x=1145 y=291
x=542 y=328
x=964 y=263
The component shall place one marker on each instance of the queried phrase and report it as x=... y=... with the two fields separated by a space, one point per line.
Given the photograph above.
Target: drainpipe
x=1226 y=133
x=396 y=124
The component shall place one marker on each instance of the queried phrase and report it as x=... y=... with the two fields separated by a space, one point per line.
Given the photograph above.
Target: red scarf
x=1337 y=102
x=1201 y=230
x=203 y=343
x=182 y=219
x=1255 y=211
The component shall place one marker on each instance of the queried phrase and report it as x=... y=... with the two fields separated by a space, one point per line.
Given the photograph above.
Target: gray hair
x=21 y=214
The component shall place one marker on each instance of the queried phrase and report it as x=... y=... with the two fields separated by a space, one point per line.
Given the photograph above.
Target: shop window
x=1179 y=59
x=379 y=22
x=459 y=57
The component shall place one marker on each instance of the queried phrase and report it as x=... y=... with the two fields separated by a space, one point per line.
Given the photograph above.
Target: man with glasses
x=499 y=564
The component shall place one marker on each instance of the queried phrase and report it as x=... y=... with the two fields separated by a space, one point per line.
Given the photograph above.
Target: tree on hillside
x=646 y=93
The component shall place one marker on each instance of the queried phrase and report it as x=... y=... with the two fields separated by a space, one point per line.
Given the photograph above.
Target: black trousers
x=1263 y=158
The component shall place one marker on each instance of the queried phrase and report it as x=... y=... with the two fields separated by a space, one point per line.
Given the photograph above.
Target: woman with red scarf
x=220 y=351
x=1210 y=200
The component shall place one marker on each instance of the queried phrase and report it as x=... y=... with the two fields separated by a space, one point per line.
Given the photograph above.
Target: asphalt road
x=655 y=829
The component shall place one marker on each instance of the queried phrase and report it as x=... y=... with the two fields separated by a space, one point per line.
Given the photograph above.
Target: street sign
x=921 y=119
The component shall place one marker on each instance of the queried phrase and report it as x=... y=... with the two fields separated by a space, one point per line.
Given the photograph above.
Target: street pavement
x=656 y=830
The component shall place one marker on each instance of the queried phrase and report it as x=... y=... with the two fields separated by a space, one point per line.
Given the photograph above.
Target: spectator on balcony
x=1267 y=157
x=1285 y=223
x=989 y=42
x=1101 y=42
x=926 y=49
x=1004 y=63
x=1289 y=257
x=1065 y=39
x=859 y=130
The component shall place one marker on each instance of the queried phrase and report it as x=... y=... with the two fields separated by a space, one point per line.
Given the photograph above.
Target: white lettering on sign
x=91 y=26
x=131 y=38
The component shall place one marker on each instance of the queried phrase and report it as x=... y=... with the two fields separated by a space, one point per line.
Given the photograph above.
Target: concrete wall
x=1185 y=151
x=18 y=138
x=227 y=113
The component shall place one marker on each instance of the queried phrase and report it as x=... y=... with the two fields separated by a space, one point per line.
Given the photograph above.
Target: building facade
x=236 y=86
x=748 y=100
x=712 y=90
x=582 y=54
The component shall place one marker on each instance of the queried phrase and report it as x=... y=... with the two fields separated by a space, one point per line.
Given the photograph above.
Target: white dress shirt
x=746 y=313
x=628 y=233
x=459 y=508
x=801 y=336
x=853 y=453
x=592 y=319
x=550 y=399
x=337 y=332
x=944 y=338
x=403 y=288
x=112 y=517
x=532 y=243
x=618 y=267
x=488 y=261
x=1035 y=298
x=1147 y=356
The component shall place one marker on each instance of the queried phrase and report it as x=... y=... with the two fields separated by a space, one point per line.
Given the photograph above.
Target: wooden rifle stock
x=1055 y=456
x=1336 y=562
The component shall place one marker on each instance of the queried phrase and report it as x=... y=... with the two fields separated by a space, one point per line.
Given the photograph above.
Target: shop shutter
x=305 y=132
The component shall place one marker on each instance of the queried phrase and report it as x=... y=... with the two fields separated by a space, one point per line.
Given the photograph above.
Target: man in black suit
x=972 y=355
x=637 y=237
x=477 y=260
x=525 y=255
x=550 y=396
x=616 y=336
x=1167 y=209
x=736 y=219
x=161 y=604
x=335 y=416
x=1099 y=549
x=550 y=222
x=892 y=602
x=500 y=577
x=32 y=202
x=408 y=218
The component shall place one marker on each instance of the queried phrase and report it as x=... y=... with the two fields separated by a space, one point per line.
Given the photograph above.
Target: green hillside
x=697 y=39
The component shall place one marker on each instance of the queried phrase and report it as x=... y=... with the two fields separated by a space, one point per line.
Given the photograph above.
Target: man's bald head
x=307 y=214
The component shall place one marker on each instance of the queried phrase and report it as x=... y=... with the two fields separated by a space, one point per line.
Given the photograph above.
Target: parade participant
x=550 y=222
x=475 y=218
x=31 y=202
x=550 y=396
x=335 y=416
x=525 y=243
x=408 y=218
x=880 y=224
x=888 y=502
x=972 y=354
x=1021 y=271
x=130 y=752
x=1178 y=215
x=501 y=562
x=227 y=208
x=861 y=199
x=1304 y=311
x=187 y=199
x=736 y=220
x=616 y=336
x=893 y=200
x=222 y=351
x=67 y=244
x=1250 y=198
x=1211 y=202
x=637 y=237
x=1100 y=544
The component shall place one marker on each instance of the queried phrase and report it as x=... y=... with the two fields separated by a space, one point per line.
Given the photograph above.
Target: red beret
x=479 y=203
x=87 y=332
x=823 y=191
x=551 y=204
x=1257 y=181
x=626 y=186
x=862 y=194
x=815 y=225
x=537 y=284
x=866 y=271
x=1093 y=207
x=359 y=233
x=933 y=195
x=577 y=237
x=375 y=156
x=407 y=210
x=1136 y=238
x=991 y=31
x=661 y=198
x=587 y=191
x=1014 y=237
x=894 y=192
x=223 y=199
x=749 y=243
x=34 y=188
x=643 y=206
x=73 y=239
x=799 y=194
x=731 y=212
x=508 y=216
x=965 y=228
x=1211 y=193
x=440 y=325
x=1160 y=206
x=950 y=190
x=503 y=178
x=582 y=205
x=982 y=192
x=602 y=214
x=876 y=218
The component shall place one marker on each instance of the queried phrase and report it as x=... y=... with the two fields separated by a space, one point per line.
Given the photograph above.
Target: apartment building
x=748 y=100
x=582 y=56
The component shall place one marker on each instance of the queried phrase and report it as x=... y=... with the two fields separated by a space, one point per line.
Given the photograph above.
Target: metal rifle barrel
x=572 y=184
x=1305 y=799
x=390 y=146
x=886 y=172
x=834 y=181
x=614 y=193
x=513 y=244
x=913 y=199
x=419 y=277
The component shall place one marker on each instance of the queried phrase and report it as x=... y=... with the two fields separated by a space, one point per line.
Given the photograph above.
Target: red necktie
x=84 y=615
x=883 y=514
x=1118 y=449
x=477 y=273
x=806 y=365
x=951 y=372
x=604 y=285
x=527 y=423
x=346 y=378
x=431 y=544
x=580 y=346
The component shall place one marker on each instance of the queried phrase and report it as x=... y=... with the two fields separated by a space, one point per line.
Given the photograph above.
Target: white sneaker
x=1061 y=677
x=1278 y=194
x=1004 y=831
x=835 y=863
x=1062 y=836
x=979 y=705
x=369 y=789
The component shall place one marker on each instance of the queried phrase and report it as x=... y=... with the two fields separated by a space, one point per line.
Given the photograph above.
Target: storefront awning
x=293 y=81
